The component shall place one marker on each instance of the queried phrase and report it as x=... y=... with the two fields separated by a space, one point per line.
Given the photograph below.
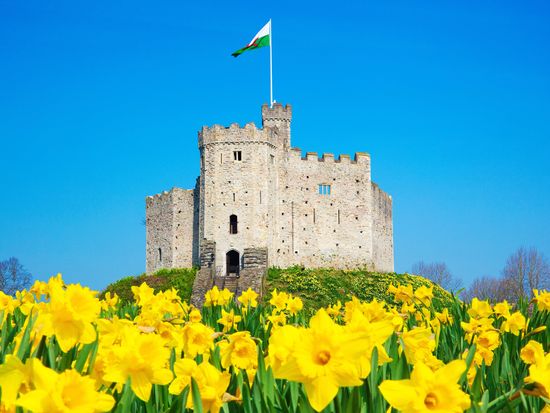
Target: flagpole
x=270 y=66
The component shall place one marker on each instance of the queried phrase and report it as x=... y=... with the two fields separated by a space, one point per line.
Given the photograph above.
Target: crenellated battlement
x=165 y=196
x=233 y=134
x=362 y=158
x=277 y=113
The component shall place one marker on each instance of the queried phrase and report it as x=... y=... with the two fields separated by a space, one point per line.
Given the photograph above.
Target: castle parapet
x=312 y=156
x=232 y=134
x=344 y=158
x=361 y=157
x=278 y=113
x=328 y=157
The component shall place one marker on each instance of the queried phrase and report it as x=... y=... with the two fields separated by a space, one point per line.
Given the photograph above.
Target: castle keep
x=259 y=202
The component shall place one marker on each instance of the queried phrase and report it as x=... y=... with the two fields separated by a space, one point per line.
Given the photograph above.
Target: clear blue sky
x=100 y=103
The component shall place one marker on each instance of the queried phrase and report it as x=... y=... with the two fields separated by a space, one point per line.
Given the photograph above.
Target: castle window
x=272 y=157
x=237 y=156
x=233 y=224
x=160 y=256
x=338 y=216
x=324 y=189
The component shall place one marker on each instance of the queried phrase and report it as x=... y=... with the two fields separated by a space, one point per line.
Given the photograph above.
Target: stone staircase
x=252 y=274
x=229 y=281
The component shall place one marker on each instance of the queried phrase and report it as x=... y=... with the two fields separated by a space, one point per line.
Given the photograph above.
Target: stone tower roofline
x=274 y=120
x=278 y=113
x=233 y=134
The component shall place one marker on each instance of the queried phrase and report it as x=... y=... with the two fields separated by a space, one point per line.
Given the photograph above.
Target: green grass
x=316 y=287
x=179 y=278
x=323 y=286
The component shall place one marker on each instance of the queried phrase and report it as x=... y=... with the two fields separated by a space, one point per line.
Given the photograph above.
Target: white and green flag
x=262 y=39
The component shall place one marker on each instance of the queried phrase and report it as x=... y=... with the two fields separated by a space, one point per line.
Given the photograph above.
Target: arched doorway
x=232 y=260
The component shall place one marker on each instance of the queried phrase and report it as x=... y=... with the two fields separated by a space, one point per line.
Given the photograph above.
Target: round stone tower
x=238 y=189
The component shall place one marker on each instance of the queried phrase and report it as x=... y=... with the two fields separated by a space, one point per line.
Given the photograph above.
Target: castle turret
x=279 y=117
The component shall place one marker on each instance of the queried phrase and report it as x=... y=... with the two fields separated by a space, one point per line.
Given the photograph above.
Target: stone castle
x=258 y=202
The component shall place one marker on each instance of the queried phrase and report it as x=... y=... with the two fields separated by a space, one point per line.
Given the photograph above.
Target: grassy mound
x=179 y=278
x=316 y=287
x=323 y=286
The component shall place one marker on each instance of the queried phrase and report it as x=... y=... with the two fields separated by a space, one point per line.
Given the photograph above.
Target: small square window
x=324 y=189
x=237 y=155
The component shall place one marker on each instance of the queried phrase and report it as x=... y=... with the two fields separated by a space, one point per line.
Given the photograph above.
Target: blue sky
x=100 y=103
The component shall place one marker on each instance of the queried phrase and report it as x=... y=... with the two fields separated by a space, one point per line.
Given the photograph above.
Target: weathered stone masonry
x=257 y=193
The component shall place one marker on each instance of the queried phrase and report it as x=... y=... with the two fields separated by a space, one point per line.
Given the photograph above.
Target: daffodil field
x=62 y=349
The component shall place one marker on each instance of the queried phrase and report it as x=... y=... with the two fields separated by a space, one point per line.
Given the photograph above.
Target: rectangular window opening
x=260 y=197
x=324 y=189
x=237 y=155
x=338 y=216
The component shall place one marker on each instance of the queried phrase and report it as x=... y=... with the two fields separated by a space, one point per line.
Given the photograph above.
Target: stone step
x=231 y=283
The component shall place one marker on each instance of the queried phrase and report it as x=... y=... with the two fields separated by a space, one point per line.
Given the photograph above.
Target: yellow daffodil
x=294 y=305
x=539 y=373
x=225 y=297
x=428 y=391
x=424 y=295
x=542 y=299
x=276 y=319
x=402 y=293
x=502 y=309
x=324 y=358
x=334 y=309
x=143 y=359
x=184 y=370
x=514 y=323
x=212 y=385
x=418 y=344
x=239 y=350
x=278 y=300
x=229 y=320
x=69 y=315
x=195 y=316
x=197 y=339
x=143 y=294
x=480 y=309
x=532 y=352
x=248 y=298
x=64 y=392
x=444 y=317
x=211 y=297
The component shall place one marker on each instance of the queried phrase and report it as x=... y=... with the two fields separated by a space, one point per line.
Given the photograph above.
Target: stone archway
x=232 y=260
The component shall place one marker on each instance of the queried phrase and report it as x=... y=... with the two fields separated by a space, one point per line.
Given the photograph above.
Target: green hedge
x=179 y=278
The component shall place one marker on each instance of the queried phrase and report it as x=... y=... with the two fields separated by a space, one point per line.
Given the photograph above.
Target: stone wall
x=208 y=254
x=171 y=227
x=254 y=270
x=204 y=280
x=324 y=229
x=382 y=239
x=159 y=218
